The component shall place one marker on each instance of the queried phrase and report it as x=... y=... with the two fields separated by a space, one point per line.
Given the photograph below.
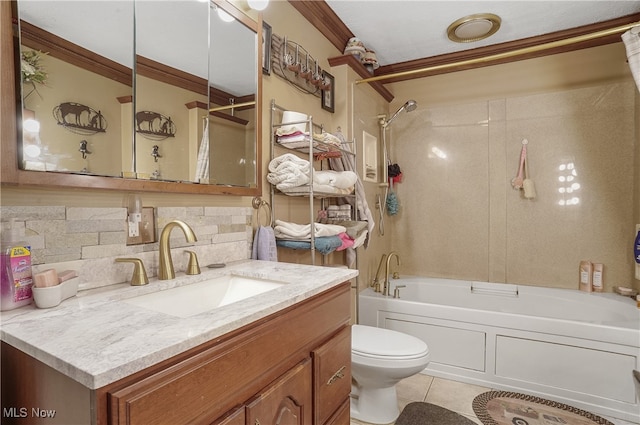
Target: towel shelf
x=315 y=149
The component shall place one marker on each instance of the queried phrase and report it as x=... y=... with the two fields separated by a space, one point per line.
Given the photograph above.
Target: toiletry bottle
x=598 y=279
x=585 y=276
x=15 y=274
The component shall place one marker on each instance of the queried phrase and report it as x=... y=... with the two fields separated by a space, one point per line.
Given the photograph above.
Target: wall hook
x=155 y=153
x=83 y=149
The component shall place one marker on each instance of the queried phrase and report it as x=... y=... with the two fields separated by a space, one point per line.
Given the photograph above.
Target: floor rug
x=419 y=413
x=507 y=408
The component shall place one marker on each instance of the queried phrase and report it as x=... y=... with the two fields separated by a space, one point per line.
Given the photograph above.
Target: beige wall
x=485 y=240
x=460 y=217
x=85 y=88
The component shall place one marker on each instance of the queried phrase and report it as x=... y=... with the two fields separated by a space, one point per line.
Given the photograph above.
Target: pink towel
x=347 y=242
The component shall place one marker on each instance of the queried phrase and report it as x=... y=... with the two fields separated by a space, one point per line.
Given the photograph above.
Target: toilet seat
x=380 y=343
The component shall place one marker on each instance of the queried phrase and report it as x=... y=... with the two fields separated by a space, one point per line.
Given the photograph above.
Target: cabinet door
x=331 y=375
x=285 y=402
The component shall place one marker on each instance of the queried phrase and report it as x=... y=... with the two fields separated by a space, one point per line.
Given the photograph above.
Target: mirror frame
x=10 y=172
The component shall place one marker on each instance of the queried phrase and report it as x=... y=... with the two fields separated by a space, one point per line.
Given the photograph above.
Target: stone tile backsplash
x=89 y=239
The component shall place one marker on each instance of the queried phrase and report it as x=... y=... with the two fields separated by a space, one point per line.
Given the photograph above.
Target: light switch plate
x=146 y=228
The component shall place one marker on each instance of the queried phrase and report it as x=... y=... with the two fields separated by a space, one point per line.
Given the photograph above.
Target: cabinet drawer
x=342 y=416
x=332 y=375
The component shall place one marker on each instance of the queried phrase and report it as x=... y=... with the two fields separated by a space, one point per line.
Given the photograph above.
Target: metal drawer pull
x=338 y=375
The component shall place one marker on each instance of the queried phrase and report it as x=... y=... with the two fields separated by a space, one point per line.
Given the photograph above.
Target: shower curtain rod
x=235 y=105
x=525 y=50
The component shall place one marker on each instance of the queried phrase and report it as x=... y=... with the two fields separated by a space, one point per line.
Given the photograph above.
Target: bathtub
x=570 y=346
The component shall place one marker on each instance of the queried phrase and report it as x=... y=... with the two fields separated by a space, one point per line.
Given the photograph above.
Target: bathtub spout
x=386 y=289
x=376 y=280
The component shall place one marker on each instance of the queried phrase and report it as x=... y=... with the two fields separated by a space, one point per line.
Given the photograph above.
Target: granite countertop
x=95 y=338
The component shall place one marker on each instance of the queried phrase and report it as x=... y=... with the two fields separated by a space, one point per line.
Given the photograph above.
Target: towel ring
x=258 y=203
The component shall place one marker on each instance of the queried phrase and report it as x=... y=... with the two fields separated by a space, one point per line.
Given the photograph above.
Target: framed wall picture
x=266 y=48
x=328 y=91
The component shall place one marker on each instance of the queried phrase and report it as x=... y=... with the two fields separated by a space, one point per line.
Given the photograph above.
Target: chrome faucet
x=165 y=269
x=386 y=289
x=376 y=280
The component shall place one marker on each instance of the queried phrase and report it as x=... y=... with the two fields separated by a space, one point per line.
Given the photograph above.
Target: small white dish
x=54 y=295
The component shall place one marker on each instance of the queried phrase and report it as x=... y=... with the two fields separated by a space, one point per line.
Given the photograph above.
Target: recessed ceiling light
x=474 y=27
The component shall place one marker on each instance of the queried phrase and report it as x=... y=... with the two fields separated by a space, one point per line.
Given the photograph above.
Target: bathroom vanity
x=279 y=357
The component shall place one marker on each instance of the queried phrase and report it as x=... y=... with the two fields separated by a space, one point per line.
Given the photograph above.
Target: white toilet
x=380 y=358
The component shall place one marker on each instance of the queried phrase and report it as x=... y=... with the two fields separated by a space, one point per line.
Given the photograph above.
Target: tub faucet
x=165 y=269
x=386 y=289
x=376 y=280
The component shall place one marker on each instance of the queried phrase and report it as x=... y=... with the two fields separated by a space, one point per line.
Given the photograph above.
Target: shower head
x=409 y=106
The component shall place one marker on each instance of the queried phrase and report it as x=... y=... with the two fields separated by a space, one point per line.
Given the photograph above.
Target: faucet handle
x=139 y=276
x=396 y=291
x=193 y=267
x=376 y=286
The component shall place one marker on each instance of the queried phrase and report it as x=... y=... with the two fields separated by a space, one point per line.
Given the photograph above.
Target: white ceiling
x=404 y=30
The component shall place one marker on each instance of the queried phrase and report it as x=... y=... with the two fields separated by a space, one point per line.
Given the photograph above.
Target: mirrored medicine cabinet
x=140 y=95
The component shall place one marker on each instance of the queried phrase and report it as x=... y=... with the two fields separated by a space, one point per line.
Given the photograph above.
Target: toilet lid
x=370 y=341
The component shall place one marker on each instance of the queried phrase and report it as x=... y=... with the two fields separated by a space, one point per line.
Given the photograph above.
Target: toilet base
x=375 y=405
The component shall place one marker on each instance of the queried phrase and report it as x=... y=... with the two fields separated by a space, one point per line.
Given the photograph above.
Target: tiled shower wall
x=88 y=240
x=460 y=218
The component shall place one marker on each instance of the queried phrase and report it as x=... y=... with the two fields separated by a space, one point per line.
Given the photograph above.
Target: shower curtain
x=202 y=166
x=631 y=41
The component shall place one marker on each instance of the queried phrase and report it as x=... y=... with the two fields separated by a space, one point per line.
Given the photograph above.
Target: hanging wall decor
x=154 y=126
x=328 y=91
x=80 y=119
x=295 y=64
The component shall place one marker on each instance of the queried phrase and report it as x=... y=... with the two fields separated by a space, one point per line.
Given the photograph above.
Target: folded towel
x=354 y=228
x=289 y=160
x=327 y=138
x=347 y=242
x=264 y=245
x=286 y=230
x=324 y=244
x=339 y=179
x=288 y=171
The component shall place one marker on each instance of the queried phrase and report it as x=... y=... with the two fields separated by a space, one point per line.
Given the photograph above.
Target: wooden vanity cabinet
x=292 y=367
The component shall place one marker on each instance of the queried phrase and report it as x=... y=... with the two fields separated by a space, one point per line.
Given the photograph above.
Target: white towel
x=631 y=41
x=294 y=231
x=264 y=244
x=290 y=160
x=339 y=179
x=288 y=170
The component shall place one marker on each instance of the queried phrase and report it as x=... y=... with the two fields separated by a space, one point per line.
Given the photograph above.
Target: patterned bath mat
x=420 y=413
x=507 y=408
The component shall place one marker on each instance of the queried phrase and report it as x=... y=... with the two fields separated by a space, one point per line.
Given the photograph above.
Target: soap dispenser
x=16 y=278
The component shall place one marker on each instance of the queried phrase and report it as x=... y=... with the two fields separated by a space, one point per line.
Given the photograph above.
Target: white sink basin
x=196 y=298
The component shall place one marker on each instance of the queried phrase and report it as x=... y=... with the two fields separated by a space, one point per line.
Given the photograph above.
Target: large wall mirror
x=168 y=102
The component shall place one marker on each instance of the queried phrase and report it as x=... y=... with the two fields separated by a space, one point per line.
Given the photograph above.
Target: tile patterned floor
x=452 y=395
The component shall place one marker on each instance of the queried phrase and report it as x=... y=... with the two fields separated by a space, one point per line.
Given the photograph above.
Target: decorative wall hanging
x=154 y=126
x=80 y=119
x=328 y=91
x=295 y=64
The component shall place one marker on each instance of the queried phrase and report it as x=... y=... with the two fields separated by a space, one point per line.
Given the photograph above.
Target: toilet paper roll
x=46 y=278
